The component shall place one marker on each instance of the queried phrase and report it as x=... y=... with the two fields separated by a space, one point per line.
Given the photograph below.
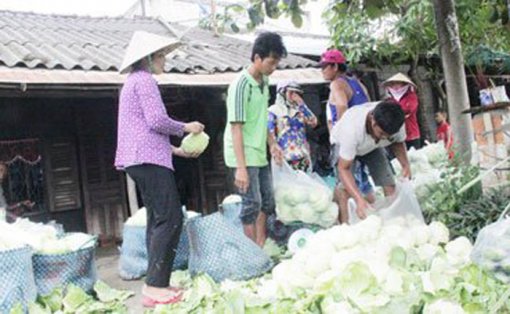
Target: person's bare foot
x=260 y=229
x=260 y=242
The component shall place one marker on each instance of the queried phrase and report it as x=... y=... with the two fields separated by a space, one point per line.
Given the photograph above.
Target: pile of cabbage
x=44 y=239
x=139 y=218
x=427 y=165
x=312 y=204
x=365 y=268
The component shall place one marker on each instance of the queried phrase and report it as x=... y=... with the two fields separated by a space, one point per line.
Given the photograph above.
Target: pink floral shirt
x=144 y=126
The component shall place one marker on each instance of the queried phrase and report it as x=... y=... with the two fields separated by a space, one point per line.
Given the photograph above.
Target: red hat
x=333 y=56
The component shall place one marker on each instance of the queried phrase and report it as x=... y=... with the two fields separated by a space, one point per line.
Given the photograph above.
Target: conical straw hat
x=399 y=77
x=143 y=44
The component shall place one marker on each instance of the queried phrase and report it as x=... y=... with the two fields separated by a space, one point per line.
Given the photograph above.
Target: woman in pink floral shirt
x=145 y=153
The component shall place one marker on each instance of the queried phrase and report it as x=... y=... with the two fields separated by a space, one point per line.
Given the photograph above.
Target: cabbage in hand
x=195 y=143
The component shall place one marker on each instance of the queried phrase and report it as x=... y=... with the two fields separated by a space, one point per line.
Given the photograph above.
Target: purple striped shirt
x=144 y=126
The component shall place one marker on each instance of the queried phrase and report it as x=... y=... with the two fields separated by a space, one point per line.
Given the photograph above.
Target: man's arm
x=399 y=149
x=345 y=174
x=241 y=177
x=274 y=148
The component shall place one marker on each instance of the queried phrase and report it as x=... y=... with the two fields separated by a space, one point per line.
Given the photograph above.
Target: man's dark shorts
x=379 y=167
x=260 y=194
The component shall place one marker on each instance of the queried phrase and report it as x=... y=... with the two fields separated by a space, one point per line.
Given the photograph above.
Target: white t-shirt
x=351 y=137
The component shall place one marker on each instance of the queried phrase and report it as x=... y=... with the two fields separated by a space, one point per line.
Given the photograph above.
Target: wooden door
x=104 y=188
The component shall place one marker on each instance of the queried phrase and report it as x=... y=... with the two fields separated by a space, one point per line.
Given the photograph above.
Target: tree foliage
x=404 y=29
x=235 y=17
x=382 y=30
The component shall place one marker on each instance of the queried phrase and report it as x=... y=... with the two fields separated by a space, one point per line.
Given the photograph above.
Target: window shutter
x=62 y=174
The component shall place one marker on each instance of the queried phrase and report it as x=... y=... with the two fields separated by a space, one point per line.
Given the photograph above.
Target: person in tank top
x=345 y=92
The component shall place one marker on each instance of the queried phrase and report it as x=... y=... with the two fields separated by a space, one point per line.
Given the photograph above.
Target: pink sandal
x=149 y=302
x=176 y=289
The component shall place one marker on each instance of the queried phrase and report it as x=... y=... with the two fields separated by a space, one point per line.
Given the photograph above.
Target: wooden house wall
x=77 y=141
x=51 y=122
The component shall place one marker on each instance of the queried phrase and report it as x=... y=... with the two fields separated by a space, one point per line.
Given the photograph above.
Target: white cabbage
x=195 y=143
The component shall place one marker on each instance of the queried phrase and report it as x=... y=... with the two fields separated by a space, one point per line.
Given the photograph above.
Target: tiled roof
x=88 y=43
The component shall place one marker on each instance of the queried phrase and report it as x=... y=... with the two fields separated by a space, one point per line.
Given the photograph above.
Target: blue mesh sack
x=133 y=253
x=232 y=213
x=58 y=270
x=182 y=254
x=133 y=261
x=16 y=278
x=217 y=249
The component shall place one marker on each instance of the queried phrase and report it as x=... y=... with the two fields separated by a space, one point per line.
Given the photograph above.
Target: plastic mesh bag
x=492 y=248
x=302 y=197
x=232 y=213
x=133 y=260
x=58 y=270
x=133 y=253
x=400 y=208
x=219 y=250
x=16 y=278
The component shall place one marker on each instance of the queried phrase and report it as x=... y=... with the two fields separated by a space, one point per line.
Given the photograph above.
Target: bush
x=463 y=213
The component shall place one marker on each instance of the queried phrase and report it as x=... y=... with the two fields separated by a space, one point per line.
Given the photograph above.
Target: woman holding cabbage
x=144 y=151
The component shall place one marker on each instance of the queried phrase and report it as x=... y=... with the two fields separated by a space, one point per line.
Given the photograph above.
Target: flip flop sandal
x=176 y=289
x=149 y=302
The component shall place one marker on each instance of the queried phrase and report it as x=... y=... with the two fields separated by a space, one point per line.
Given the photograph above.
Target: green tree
x=405 y=29
x=396 y=31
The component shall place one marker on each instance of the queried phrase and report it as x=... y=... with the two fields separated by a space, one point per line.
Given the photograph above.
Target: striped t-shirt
x=247 y=103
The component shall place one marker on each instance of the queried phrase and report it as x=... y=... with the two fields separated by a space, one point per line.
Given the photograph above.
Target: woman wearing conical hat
x=403 y=91
x=144 y=151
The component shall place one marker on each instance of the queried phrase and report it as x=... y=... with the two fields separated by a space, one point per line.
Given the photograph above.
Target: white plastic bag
x=401 y=208
x=302 y=197
x=492 y=248
x=493 y=95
